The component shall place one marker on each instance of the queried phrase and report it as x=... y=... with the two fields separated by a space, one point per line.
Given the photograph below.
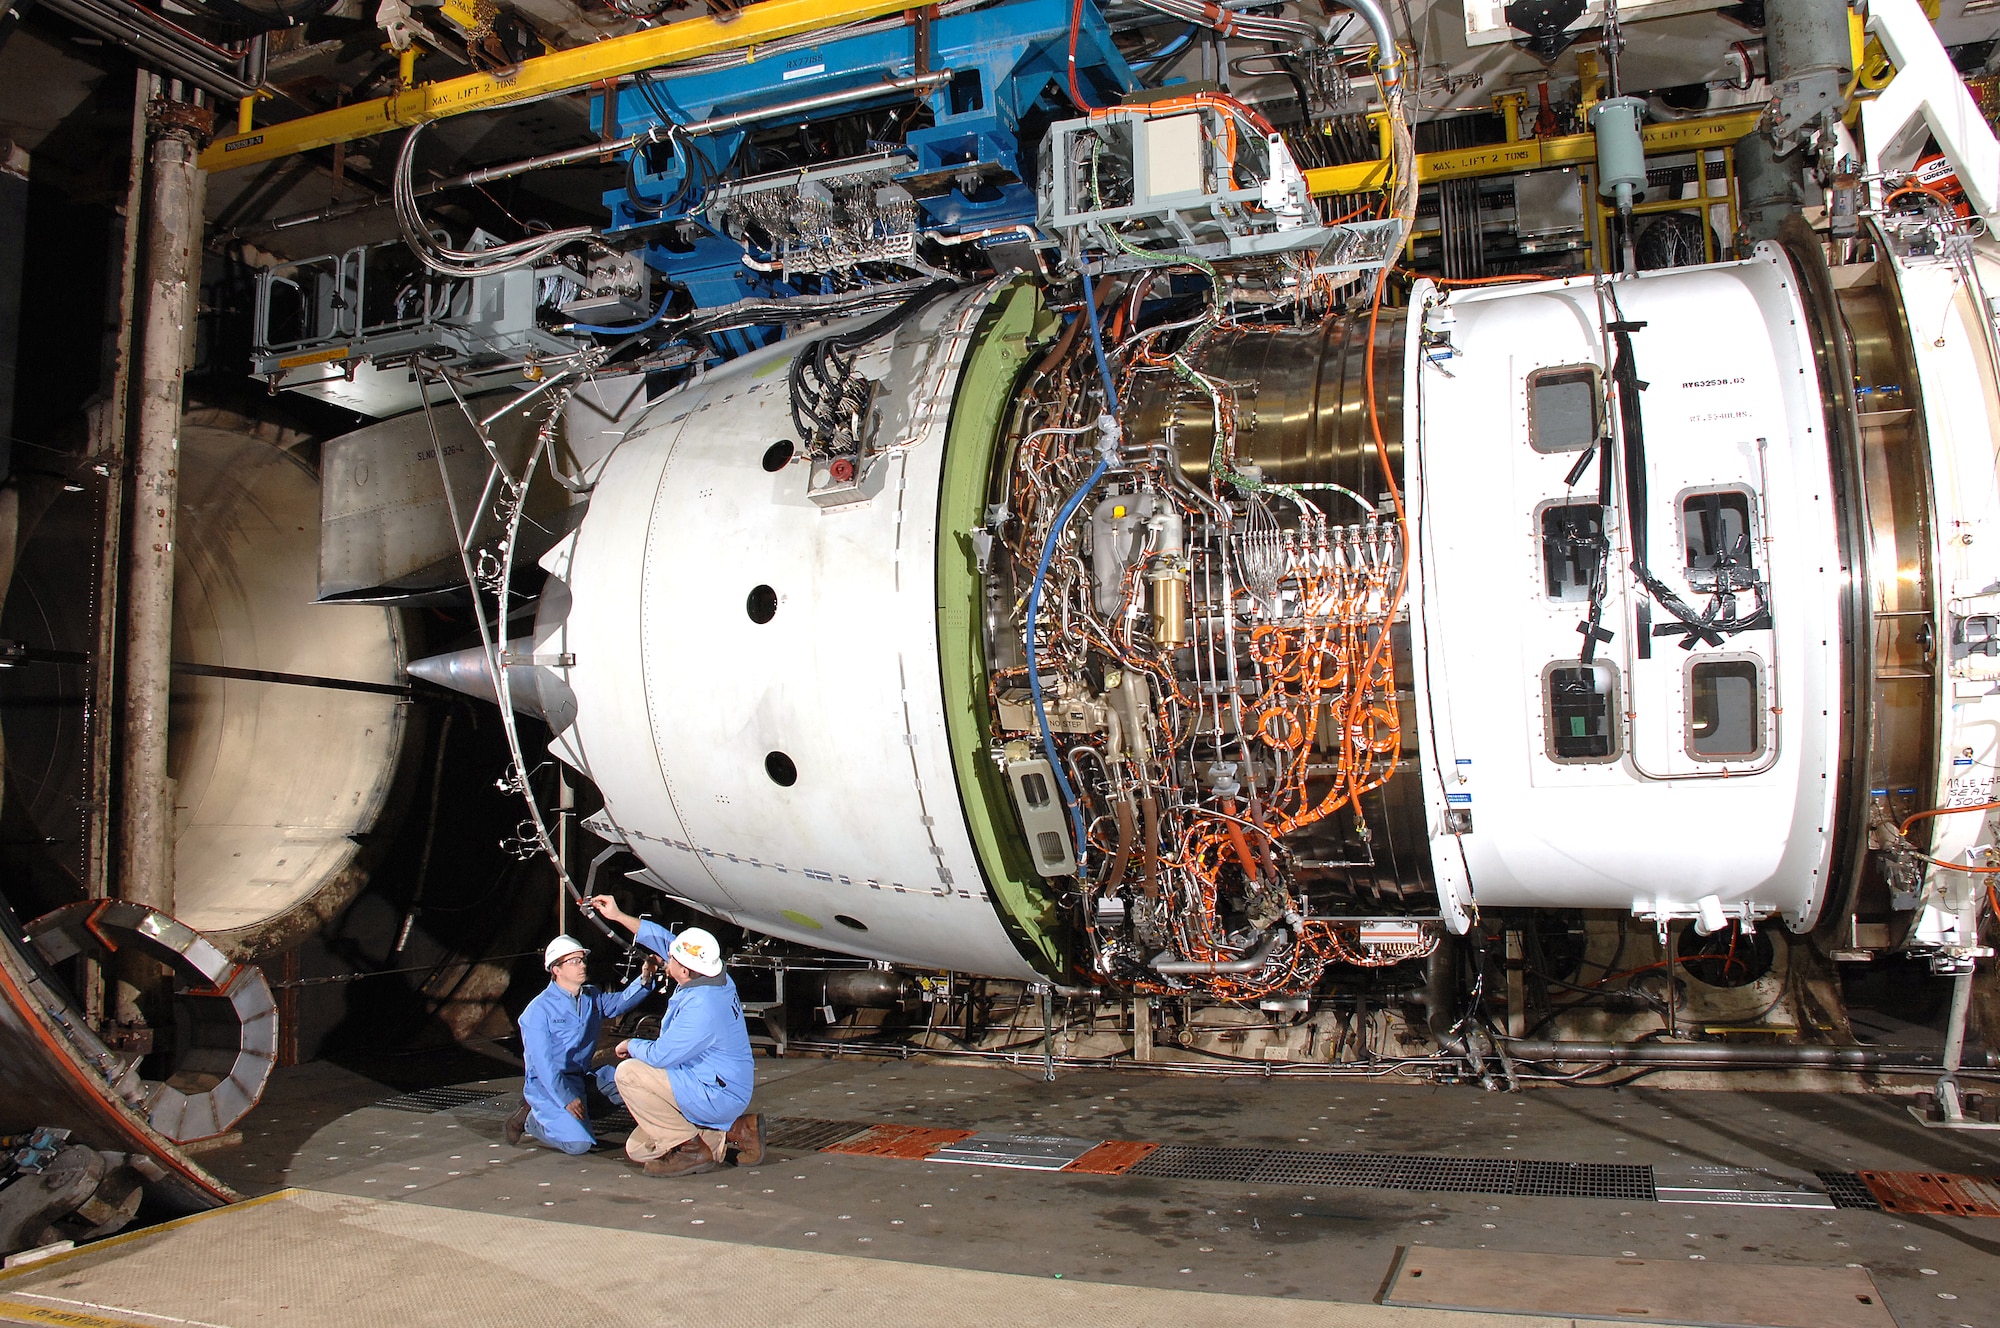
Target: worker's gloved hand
x=607 y=907
x=649 y=971
x=575 y=1108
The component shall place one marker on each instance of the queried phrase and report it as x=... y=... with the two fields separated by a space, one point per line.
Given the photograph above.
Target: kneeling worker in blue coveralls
x=558 y=1037
x=687 y=1088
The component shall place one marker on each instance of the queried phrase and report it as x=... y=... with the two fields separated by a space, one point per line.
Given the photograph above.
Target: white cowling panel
x=1726 y=362
x=680 y=703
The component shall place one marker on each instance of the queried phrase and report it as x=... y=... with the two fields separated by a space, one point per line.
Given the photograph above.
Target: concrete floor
x=316 y=1130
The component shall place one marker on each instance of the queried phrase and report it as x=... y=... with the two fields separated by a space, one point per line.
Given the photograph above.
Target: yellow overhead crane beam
x=559 y=71
x=1529 y=154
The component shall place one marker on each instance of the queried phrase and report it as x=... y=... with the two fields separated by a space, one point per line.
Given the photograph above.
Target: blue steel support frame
x=1005 y=61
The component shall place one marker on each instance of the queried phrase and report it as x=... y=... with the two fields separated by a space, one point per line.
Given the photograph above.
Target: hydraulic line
x=1097 y=341
x=1249 y=963
x=1123 y=857
x=449 y=262
x=1048 y=553
x=1034 y=662
x=646 y=326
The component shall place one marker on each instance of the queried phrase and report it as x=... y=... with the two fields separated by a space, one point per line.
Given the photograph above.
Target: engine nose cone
x=534 y=689
x=466 y=671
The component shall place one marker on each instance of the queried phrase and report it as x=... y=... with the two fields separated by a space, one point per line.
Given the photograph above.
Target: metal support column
x=1950 y=1100
x=1047 y=994
x=1517 y=983
x=110 y=424
x=173 y=271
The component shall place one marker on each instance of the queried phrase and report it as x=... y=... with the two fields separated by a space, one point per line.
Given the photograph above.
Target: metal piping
x=1249 y=963
x=906 y=83
x=1706 y=1055
x=561 y=71
x=173 y=50
x=713 y=125
x=166 y=28
x=1389 y=58
x=173 y=258
x=1809 y=56
x=569 y=156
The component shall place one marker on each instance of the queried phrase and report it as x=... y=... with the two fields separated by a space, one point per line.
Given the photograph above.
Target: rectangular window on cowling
x=1572 y=547
x=1563 y=409
x=1725 y=709
x=1580 y=712
x=1715 y=530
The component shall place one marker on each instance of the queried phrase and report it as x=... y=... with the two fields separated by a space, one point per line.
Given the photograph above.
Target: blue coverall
x=704 y=1045
x=558 y=1038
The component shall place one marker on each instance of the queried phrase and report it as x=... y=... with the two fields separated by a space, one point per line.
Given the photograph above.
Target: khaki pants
x=659 y=1127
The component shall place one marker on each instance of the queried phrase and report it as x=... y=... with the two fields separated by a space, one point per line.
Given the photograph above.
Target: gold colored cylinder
x=1170 y=604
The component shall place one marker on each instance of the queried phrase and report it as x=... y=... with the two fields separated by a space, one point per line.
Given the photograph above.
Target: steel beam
x=562 y=71
x=1529 y=154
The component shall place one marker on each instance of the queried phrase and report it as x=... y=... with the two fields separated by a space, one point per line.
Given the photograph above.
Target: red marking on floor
x=1113 y=1157
x=912 y=1143
x=1932 y=1193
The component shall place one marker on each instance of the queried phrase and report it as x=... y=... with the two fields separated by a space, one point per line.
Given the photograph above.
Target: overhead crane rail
x=544 y=75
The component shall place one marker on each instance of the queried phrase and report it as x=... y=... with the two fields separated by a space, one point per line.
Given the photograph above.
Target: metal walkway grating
x=806 y=1135
x=1587 y=1180
x=1393 y=1171
x=1847 y=1190
x=430 y=1101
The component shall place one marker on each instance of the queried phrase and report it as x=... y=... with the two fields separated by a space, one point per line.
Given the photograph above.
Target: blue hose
x=1169 y=51
x=1097 y=340
x=646 y=326
x=1034 y=668
x=1048 y=553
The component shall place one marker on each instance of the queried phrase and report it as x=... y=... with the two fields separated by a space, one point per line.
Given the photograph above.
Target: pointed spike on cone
x=466 y=671
x=532 y=689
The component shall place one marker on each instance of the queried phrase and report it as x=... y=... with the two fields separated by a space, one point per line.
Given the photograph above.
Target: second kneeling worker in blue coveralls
x=687 y=1088
x=558 y=1038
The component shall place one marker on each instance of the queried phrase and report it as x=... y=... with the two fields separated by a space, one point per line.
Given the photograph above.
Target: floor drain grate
x=1847 y=1190
x=1392 y=1171
x=806 y=1135
x=1185 y=1162
x=430 y=1101
x=1587 y=1180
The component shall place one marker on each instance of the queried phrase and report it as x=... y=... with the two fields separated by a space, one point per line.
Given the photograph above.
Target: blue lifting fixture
x=982 y=74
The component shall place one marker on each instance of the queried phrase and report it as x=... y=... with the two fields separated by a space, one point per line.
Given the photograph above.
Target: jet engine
x=1027 y=630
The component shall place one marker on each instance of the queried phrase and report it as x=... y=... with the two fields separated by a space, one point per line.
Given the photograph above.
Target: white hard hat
x=697 y=950
x=560 y=948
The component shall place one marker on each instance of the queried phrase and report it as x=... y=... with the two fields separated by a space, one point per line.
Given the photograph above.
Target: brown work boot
x=689 y=1159
x=746 y=1136
x=515 y=1125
